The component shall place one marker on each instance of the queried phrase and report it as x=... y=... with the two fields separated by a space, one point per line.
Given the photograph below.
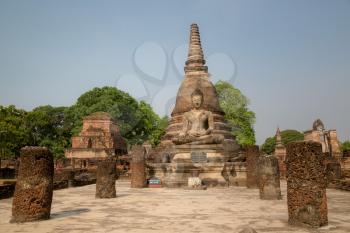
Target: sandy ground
x=173 y=210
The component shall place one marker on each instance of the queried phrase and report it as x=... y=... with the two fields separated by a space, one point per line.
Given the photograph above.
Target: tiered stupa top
x=196 y=77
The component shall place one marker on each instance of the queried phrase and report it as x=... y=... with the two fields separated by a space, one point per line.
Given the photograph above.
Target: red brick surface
x=252 y=155
x=105 y=179
x=306 y=184
x=138 y=168
x=33 y=194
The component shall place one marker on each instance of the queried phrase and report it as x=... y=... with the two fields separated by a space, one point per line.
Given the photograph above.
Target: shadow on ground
x=68 y=213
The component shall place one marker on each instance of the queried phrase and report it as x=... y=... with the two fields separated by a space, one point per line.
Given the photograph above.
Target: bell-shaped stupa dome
x=196 y=78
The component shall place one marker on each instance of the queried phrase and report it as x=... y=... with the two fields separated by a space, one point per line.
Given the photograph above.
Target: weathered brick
x=33 y=193
x=306 y=184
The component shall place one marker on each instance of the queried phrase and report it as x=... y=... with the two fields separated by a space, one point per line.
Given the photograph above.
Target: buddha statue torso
x=197 y=121
x=197 y=125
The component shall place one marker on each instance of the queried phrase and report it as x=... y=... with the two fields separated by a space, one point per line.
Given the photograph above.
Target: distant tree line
x=291 y=135
x=53 y=127
x=345 y=146
x=287 y=136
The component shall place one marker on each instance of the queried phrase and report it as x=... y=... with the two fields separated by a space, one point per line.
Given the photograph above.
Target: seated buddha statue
x=197 y=125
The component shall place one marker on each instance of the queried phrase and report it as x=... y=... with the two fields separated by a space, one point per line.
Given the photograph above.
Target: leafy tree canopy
x=237 y=113
x=13 y=132
x=137 y=120
x=287 y=136
x=345 y=146
x=53 y=127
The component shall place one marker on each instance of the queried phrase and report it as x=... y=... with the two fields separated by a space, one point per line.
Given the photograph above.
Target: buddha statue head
x=197 y=99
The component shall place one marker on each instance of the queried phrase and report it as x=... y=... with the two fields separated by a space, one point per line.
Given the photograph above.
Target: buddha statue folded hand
x=197 y=125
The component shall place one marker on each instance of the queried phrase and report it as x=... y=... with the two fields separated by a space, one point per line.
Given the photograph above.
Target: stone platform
x=221 y=210
x=175 y=175
x=209 y=161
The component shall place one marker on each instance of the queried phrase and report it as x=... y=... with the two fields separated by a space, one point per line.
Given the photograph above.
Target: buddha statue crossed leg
x=197 y=125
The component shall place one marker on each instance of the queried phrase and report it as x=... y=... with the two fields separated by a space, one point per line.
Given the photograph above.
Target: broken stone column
x=306 y=184
x=252 y=155
x=138 y=168
x=105 y=179
x=269 y=178
x=33 y=193
x=70 y=178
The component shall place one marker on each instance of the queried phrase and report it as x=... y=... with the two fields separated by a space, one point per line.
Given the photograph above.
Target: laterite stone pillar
x=105 y=179
x=70 y=178
x=306 y=184
x=138 y=168
x=252 y=155
x=33 y=193
x=269 y=178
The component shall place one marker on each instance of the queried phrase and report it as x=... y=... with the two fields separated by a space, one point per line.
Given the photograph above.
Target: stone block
x=306 y=184
x=33 y=193
x=252 y=155
x=269 y=178
x=138 y=168
x=70 y=178
x=106 y=176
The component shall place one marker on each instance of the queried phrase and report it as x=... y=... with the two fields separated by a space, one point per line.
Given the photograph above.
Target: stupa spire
x=195 y=60
x=278 y=137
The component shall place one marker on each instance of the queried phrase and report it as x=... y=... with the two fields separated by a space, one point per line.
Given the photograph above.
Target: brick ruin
x=337 y=163
x=268 y=178
x=33 y=193
x=99 y=138
x=105 y=179
x=198 y=136
x=306 y=184
x=280 y=153
x=138 y=167
x=252 y=155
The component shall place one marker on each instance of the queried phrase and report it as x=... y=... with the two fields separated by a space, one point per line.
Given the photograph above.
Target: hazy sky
x=290 y=58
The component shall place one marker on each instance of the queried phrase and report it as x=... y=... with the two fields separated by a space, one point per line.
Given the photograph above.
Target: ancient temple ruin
x=280 y=153
x=99 y=138
x=196 y=79
x=198 y=140
x=328 y=138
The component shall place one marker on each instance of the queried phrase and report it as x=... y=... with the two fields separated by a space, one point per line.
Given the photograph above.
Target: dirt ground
x=173 y=210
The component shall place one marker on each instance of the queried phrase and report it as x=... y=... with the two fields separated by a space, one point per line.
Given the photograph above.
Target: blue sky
x=290 y=58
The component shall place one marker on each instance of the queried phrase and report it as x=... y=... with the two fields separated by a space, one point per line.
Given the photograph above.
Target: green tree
x=137 y=121
x=13 y=133
x=345 y=146
x=51 y=127
x=153 y=123
x=237 y=113
x=159 y=131
x=287 y=136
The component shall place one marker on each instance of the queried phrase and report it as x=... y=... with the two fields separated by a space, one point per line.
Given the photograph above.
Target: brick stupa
x=196 y=78
x=99 y=138
x=198 y=140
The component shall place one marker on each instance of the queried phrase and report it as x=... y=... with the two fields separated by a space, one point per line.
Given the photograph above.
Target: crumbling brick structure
x=269 y=178
x=138 y=168
x=252 y=155
x=33 y=194
x=306 y=184
x=106 y=177
x=70 y=177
